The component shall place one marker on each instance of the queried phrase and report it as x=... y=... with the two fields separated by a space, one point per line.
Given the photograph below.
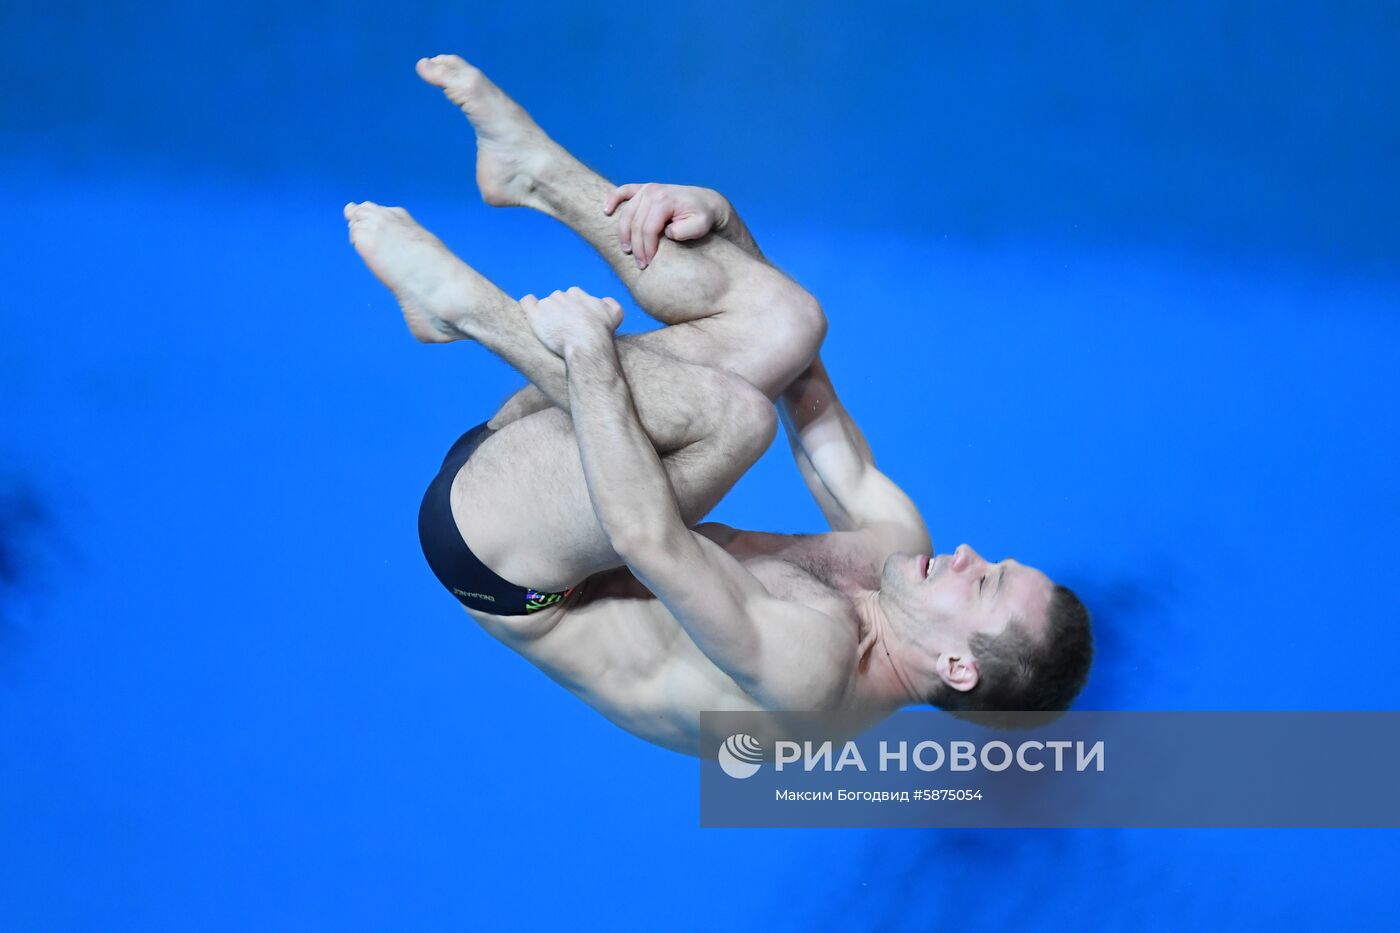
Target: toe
x=441 y=69
x=350 y=210
x=458 y=74
x=450 y=62
x=364 y=215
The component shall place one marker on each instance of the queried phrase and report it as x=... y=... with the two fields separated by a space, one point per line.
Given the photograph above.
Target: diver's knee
x=527 y=401
x=807 y=321
x=793 y=331
x=750 y=422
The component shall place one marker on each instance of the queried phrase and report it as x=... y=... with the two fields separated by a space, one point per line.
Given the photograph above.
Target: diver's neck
x=878 y=654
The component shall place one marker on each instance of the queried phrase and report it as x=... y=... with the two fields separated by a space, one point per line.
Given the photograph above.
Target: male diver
x=567 y=525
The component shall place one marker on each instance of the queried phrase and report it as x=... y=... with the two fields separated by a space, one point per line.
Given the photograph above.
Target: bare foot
x=512 y=152
x=434 y=287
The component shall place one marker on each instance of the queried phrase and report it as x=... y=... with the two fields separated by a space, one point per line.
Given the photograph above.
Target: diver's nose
x=964 y=557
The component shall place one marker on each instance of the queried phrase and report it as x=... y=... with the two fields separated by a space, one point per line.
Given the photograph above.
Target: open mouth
x=925 y=565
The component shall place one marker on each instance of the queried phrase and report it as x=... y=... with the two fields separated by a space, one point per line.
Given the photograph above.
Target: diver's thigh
x=522 y=505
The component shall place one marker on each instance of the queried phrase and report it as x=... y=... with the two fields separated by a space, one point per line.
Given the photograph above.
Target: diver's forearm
x=812 y=413
x=627 y=484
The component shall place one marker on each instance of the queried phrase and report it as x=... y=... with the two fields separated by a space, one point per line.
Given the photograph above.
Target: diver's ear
x=957 y=671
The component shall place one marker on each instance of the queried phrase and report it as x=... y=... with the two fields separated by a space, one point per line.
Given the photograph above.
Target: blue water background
x=1115 y=290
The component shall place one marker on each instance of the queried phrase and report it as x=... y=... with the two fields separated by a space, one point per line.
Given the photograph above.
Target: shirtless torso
x=618 y=648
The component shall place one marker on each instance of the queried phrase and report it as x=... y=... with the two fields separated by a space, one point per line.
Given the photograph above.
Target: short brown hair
x=1018 y=672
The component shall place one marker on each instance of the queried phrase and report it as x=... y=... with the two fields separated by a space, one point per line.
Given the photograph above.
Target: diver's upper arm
x=884 y=510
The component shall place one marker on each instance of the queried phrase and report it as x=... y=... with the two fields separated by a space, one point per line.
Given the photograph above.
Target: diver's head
x=971 y=635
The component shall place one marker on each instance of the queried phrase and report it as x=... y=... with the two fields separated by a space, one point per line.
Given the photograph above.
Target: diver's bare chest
x=808 y=569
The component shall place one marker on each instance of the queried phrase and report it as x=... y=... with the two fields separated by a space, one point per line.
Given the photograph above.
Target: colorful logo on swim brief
x=741 y=755
x=535 y=600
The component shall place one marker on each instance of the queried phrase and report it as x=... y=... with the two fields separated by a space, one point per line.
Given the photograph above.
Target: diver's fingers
x=655 y=222
x=623 y=193
x=616 y=310
x=624 y=225
x=638 y=234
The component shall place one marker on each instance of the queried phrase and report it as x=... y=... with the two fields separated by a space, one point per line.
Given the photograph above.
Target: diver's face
x=960 y=594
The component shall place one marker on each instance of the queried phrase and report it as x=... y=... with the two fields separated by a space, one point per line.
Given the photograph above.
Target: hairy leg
x=443 y=299
x=727 y=308
x=522 y=503
x=708 y=425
